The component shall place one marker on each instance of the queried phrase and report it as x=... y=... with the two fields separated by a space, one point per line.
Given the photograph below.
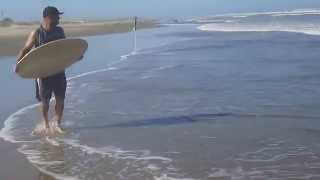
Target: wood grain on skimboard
x=51 y=58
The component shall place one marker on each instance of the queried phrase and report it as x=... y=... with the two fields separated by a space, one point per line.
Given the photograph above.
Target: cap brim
x=60 y=13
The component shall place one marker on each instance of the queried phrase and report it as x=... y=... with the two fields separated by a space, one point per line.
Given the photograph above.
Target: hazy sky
x=31 y=9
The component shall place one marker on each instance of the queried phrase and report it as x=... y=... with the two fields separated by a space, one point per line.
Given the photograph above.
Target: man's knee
x=44 y=104
x=59 y=101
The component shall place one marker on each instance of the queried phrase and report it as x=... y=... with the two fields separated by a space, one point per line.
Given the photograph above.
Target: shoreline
x=13 y=37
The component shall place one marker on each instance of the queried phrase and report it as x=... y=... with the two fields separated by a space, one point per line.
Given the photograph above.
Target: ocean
x=232 y=97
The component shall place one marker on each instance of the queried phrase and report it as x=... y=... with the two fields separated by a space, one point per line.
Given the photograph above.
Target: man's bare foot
x=56 y=125
x=47 y=131
x=59 y=129
x=42 y=129
x=47 y=126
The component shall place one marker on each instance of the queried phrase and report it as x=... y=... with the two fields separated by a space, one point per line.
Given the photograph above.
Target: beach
x=215 y=98
x=13 y=37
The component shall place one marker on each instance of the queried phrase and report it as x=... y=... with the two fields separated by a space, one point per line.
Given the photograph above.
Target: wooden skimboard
x=51 y=58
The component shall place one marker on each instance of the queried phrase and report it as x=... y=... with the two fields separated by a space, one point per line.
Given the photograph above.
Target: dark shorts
x=56 y=84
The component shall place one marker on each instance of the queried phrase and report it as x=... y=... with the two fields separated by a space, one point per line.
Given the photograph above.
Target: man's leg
x=43 y=94
x=44 y=108
x=59 y=91
x=59 y=107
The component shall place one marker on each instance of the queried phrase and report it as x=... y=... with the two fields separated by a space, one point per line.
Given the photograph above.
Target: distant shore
x=13 y=36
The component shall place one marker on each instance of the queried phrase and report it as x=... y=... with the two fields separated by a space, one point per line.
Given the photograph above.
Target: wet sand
x=12 y=38
x=16 y=166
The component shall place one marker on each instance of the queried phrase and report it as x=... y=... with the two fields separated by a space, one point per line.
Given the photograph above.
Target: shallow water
x=194 y=105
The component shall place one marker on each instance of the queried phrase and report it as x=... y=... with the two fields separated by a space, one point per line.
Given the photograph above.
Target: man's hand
x=80 y=58
x=16 y=69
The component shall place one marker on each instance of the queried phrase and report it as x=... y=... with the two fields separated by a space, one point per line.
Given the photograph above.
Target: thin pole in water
x=135 y=35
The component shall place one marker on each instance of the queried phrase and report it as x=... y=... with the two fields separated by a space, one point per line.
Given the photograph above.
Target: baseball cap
x=51 y=10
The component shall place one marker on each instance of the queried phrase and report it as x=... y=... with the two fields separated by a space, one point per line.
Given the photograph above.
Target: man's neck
x=47 y=26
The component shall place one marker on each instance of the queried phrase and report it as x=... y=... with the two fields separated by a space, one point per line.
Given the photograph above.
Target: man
x=55 y=84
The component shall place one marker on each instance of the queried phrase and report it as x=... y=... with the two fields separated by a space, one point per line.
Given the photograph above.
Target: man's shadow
x=161 y=121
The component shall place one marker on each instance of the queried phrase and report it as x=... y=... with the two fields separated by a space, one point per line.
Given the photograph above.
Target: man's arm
x=28 y=46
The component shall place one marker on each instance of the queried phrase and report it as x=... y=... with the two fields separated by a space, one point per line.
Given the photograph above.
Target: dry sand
x=13 y=37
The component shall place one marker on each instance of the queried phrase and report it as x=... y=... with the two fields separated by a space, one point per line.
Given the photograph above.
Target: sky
x=27 y=10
